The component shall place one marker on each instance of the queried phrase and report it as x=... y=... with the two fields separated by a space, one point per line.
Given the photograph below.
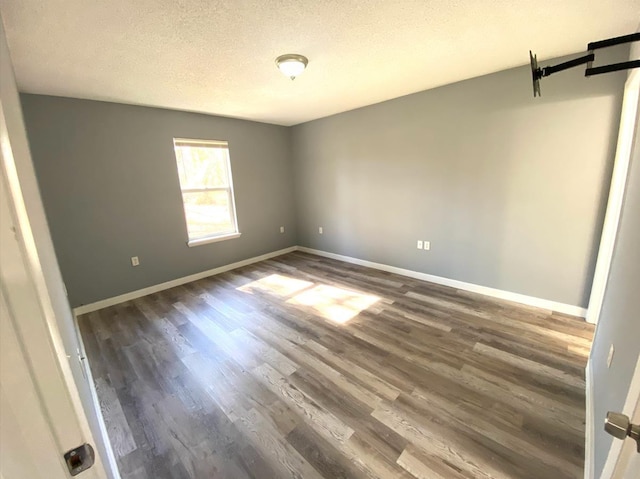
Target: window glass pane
x=204 y=172
x=208 y=213
x=202 y=167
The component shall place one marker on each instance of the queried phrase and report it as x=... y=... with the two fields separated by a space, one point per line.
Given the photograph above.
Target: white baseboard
x=495 y=293
x=589 y=429
x=492 y=292
x=87 y=308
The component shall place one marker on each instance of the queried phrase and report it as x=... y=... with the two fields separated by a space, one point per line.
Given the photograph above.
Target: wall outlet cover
x=282 y=229
x=320 y=230
x=427 y=245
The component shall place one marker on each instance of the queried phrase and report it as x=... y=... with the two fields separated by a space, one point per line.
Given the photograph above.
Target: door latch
x=619 y=425
x=79 y=459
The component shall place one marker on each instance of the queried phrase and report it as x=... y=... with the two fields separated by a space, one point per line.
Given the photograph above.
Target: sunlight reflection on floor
x=335 y=304
x=277 y=284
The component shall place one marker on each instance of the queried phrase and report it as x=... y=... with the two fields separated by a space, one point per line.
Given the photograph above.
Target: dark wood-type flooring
x=306 y=367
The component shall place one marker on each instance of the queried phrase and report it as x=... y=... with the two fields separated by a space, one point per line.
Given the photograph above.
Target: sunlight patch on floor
x=335 y=304
x=276 y=284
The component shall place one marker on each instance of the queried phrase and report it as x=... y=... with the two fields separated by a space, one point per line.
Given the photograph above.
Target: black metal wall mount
x=537 y=73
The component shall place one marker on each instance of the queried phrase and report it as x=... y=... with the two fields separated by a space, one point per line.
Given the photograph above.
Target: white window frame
x=232 y=201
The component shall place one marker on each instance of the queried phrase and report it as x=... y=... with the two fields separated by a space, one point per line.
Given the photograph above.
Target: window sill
x=212 y=239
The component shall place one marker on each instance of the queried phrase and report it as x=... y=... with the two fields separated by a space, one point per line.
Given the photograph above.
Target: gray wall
x=510 y=191
x=108 y=180
x=619 y=322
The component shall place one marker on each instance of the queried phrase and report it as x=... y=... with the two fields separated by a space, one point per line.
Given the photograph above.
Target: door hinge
x=83 y=364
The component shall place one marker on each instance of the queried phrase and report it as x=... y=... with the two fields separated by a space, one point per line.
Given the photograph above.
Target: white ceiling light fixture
x=292 y=64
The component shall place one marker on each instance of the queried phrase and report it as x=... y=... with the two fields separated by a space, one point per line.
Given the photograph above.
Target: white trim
x=630 y=404
x=87 y=308
x=212 y=239
x=475 y=288
x=589 y=429
x=190 y=142
x=628 y=119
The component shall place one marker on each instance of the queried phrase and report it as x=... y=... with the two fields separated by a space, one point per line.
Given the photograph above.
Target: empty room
x=297 y=239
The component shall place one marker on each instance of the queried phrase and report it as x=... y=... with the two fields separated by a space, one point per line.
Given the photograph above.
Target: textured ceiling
x=218 y=56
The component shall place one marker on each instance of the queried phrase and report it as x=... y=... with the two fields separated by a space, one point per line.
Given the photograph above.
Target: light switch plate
x=419 y=244
x=135 y=261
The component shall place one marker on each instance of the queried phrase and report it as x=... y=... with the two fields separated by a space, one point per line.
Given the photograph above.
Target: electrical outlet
x=427 y=245
x=610 y=356
x=282 y=229
x=419 y=244
x=320 y=229
x=135 y=261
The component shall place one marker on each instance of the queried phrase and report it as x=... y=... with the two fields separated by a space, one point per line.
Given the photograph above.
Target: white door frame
x=628 y=119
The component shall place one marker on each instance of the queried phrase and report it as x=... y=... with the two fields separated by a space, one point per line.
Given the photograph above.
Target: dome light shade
x=292 y=64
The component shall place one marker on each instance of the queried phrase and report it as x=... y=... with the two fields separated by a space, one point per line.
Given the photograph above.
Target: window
x=204 y=170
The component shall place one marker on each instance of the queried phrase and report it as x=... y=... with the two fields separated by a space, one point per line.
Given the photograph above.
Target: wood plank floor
x=305 y=367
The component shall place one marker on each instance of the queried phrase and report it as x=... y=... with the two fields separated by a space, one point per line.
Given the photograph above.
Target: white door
x=612 y=383
x=628 y=466
x=38 y=420
x=627 y=463
x=37 y=315
x=43 y=413
x=624 y=458
x=28 y=446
